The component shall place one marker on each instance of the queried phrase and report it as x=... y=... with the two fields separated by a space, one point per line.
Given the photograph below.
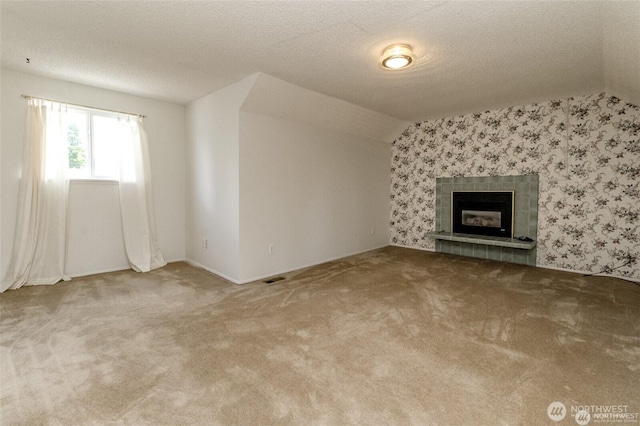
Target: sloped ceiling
x=277 y=98
x=472 y=56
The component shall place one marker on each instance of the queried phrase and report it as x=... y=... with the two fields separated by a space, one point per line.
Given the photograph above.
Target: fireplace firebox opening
x=487 y=213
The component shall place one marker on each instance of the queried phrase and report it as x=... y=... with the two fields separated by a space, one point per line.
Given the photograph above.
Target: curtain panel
x=136 y=203
x=39 y=248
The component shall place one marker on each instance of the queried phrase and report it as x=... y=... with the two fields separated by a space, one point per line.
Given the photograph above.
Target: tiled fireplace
x=524 y=218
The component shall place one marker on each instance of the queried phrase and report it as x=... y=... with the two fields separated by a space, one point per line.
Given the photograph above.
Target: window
x=92 y=138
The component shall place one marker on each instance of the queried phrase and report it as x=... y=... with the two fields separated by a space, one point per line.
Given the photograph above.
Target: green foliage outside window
x=77 y=156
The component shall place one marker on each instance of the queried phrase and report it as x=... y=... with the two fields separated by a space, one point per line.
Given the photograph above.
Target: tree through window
x=92 y=138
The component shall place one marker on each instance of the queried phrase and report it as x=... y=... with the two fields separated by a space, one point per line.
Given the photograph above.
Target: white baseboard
x=100 y=271
x=262 y=277
x=115 y=269
x=433 y=250
x=213 y=271
x=311 y=264
x=635 y=280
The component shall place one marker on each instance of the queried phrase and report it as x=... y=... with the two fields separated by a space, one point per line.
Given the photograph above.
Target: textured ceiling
x=471 y=55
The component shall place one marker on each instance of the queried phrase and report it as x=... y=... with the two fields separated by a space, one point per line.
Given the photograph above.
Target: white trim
x=273 y=274
x=433 y=250
x=120 y=269
x=635 y=280
x=221 y=275
x=101 y=271
x=313 y=264
x=94 y=181
x=213 y=271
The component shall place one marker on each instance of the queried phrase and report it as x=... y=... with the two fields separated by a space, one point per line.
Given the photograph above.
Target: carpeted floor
x=393 y=336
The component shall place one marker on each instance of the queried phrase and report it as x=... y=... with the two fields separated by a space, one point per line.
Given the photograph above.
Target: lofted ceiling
x=471 y=55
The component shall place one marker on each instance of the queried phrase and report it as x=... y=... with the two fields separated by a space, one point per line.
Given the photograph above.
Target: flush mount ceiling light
x=396 y=56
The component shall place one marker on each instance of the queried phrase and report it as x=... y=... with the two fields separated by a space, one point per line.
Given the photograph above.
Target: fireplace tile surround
x=526 y=190
x=584 y=150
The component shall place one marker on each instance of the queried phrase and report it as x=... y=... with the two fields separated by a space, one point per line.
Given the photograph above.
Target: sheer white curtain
x=136 y=203
x=41 y=230
x=39 y=250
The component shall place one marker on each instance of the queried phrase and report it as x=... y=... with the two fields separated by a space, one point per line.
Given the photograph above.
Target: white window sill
x=94 y=181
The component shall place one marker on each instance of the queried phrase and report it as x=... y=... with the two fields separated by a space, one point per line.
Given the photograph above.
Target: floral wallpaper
x=586 y=151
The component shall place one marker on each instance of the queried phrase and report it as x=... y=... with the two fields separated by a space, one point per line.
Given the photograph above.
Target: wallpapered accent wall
x=586 y=151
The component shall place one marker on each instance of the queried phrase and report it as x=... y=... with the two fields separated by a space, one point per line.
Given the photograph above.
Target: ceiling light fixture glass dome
x=396 y=56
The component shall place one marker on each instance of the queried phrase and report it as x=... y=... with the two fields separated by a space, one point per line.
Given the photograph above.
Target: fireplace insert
x=487 y=213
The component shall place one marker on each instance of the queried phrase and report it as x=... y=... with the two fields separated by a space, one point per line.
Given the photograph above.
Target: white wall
x=314 y=178
x=314 y=194
x=212 y=124
x=273 y=163
x=95 y=235
x=95 y=242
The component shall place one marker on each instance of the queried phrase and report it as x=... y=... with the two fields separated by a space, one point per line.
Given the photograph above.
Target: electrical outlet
x=271 y=248
x=205 y=243
x=373 y=231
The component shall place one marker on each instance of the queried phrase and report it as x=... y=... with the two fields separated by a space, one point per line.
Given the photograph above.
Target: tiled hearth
x=525 y=216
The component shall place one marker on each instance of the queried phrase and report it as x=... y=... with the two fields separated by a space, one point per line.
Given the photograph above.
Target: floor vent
x=273 y=280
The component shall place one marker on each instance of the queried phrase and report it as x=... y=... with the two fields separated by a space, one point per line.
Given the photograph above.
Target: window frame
x=89 y=174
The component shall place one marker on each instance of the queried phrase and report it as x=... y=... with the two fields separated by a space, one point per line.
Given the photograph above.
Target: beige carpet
x=393 y=336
